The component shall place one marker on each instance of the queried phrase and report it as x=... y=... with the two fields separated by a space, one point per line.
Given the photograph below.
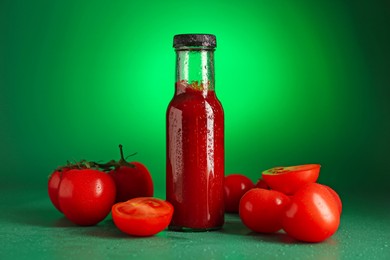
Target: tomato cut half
x=144 y=216
x=290 y=179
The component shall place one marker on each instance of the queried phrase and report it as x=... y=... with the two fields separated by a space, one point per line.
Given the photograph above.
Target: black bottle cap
x=205 y=40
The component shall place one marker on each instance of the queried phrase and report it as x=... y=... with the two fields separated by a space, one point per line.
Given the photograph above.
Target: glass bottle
x=195 y=138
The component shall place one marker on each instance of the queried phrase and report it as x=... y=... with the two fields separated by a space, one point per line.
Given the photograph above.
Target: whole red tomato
x=235 y=186
x=86 y=196
x=52 y=188
x=261 y=184
x=336 y=197
x=262 y=210
x=132 y=179
x=142 y=216
x=290 y=179
x=132 y=182
x=53 y=184
x=313 y=214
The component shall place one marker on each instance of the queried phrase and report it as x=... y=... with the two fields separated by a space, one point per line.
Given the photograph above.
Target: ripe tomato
x=290 y=179
x=143 y=216
x=86 y=196
x=53 y=184
x=132 y=182
x=52 y=188
x=235 y=186
x=262 y=210
x=313 y=214
x=336 y=197
x=261 y=184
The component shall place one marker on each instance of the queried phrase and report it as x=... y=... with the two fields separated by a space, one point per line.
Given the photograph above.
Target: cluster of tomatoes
x=86 y=192
x=285 y=198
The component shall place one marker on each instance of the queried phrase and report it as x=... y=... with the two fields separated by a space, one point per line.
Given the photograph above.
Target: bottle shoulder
x=196 y=102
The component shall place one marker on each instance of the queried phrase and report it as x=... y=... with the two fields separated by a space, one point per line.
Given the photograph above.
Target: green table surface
x=30 y=228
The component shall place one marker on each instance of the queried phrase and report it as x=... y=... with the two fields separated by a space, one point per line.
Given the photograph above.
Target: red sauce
x=195 y=159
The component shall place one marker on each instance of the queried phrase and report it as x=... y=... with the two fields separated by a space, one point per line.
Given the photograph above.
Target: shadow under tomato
x=278 y=237
x=37 y=216
x=107 y=229
x=234 y=226
x=281 y=237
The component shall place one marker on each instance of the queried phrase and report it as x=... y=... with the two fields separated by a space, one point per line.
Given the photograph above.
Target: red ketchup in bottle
x=195 y=139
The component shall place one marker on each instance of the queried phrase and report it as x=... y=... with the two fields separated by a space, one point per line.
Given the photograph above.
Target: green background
x=300 y=82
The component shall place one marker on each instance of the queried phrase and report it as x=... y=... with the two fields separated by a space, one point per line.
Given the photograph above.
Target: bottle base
x=188 y=229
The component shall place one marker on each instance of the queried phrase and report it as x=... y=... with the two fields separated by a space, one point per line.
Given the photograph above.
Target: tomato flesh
x=290 y=179
x=144 y=216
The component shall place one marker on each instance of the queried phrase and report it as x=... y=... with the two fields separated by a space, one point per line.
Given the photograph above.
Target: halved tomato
x=290 y=179
x=144 y=216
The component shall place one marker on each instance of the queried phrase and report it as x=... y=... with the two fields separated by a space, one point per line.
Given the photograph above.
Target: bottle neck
x=194 y=69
